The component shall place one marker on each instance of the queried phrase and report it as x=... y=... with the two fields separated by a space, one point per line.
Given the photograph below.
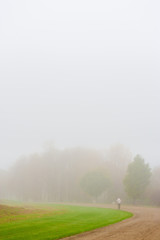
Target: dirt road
x=144 y=225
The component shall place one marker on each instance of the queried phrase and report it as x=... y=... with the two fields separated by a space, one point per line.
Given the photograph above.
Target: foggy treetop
x=80 y=73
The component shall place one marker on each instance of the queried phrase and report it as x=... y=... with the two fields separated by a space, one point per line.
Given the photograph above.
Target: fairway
x=50 y=221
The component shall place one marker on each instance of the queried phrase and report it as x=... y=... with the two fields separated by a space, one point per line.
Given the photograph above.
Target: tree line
x=82 y=175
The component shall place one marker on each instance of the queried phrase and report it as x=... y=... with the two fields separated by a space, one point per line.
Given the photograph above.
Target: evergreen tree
x=137 y=178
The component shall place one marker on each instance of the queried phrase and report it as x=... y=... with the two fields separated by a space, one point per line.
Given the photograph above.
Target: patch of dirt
x=8 y=210
x=12 y=213
x=144 y=225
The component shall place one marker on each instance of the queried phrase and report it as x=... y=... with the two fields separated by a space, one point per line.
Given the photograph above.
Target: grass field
x=49 y=222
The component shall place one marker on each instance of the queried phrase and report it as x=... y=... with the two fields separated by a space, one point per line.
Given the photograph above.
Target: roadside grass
x=52 y=221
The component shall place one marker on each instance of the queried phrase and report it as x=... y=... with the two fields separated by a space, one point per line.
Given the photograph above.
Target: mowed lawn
x=49 y=222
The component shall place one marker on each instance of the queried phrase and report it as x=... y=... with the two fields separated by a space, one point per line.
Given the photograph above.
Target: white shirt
x=119 y=201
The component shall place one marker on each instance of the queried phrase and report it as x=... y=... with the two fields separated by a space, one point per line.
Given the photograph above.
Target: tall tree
x=154 y=187
x=137 y=178
x=118 y=157
x=3 y=183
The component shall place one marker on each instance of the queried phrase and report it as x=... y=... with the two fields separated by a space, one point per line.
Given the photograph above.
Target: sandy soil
x=144 y=225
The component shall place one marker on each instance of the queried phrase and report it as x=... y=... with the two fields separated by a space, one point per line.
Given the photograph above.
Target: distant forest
x=82 y=175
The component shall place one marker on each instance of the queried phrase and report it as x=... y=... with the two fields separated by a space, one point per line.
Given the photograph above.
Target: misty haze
x=80 y=133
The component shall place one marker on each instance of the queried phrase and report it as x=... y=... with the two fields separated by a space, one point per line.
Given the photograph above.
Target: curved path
x=144 y=225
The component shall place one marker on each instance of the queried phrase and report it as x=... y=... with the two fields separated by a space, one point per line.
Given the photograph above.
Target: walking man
x=119 y=203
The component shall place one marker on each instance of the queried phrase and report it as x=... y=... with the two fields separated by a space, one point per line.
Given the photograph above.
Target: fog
x=79 y=74
x=82 y=175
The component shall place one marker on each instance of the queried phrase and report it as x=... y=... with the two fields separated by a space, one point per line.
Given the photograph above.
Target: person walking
x=119 y=203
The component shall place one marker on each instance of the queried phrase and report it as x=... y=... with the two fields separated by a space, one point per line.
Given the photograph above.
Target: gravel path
x=144 y=225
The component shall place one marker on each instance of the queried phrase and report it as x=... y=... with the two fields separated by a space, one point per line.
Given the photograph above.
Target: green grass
x=49 y=222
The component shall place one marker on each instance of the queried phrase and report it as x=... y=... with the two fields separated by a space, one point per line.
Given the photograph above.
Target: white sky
x=80 y=73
